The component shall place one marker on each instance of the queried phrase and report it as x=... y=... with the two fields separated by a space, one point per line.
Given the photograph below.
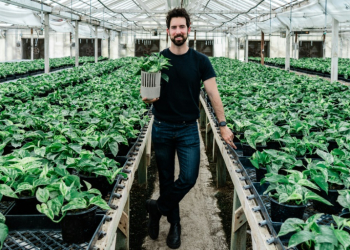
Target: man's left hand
x=228 y=136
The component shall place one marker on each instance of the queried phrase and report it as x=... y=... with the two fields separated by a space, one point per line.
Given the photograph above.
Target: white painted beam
x=236 y=48
x=47 y=43
x=76 y=43
x=161 y=11
x=246 y=49
x=287 y=62
x=96 y=44
x=335 y=40
x=31 y=44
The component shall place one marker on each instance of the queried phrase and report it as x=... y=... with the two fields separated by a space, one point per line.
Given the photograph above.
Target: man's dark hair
x=177 y=12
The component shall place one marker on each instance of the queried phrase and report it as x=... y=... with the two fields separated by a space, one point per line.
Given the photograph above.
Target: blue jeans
x=184 y=139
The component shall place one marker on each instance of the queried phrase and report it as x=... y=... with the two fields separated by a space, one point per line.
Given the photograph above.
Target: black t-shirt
x=179 y=98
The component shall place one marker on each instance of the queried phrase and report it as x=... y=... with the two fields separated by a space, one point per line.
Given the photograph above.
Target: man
x=175 y=126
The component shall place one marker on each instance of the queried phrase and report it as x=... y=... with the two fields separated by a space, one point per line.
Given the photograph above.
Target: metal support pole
x=262 y=48
x=76 y=43
x=295 y=45
x=119 y=47
x=70 y=45
x=195 y=40
x=96 y=44
x=236 y=49
x=335 y=38
x=246 y=49
x=109 y=44
x=31 y=44
x=324 y=45
x=287 y=63
x=47 y=43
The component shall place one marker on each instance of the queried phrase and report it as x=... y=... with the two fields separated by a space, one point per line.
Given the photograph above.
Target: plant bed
x=38 y=230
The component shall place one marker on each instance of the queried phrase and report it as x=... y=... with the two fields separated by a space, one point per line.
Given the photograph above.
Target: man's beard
x=179 y=42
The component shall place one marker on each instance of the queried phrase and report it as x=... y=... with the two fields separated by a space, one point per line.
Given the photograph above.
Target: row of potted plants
x=62 y=141
x=12 y=93
x=12 y=70
x=311 y=65
x=295 y=131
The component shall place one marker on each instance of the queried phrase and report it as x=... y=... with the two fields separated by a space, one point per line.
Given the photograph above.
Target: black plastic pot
x=281 y=212
x=332 y=197
x=99 y=182
x=261 y=188
x=273 y=145
x=332 y=145
x=260 y=173
x=298 y=136
x=78 y=227
x=249 y=151
x=25 y=205
x=246 y=163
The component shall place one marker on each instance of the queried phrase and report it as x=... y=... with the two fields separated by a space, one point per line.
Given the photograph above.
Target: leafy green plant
x=292 y=188
x=154 y=63
x=3 y=230
x=65 y=195
x=274 y=160
x=314 y=236
x=344 y=198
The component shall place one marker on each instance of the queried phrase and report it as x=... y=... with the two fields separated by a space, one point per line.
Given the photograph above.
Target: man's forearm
x=217 y=105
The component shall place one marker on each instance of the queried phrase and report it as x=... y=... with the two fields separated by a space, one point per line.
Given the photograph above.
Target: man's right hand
x=150 y=101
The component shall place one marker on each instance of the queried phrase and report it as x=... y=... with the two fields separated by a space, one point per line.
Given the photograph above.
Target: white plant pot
x=150 y=85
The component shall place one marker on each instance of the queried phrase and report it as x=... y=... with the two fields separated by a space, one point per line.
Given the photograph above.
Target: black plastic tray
x=39 y=232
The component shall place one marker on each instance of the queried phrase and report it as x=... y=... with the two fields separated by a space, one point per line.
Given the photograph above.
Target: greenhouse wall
x=223 y=46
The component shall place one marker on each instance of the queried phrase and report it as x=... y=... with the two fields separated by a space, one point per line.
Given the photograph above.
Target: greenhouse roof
x=240 y=18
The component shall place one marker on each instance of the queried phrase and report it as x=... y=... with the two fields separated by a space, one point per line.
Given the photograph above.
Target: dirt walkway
x=201 y=224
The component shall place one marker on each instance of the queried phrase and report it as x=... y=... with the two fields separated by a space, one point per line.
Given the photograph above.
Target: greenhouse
x=174 y=124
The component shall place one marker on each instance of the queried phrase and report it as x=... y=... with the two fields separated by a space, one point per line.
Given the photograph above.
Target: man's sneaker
x=153 y=219
x=174 y=236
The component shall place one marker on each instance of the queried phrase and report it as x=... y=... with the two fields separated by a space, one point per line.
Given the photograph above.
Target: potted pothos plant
x=64 y=201
x=290 y=194
x=21 y=178
x=309 y=235
x=97 y=169
x=275 y=161
x=150 y=70
x=331 y=175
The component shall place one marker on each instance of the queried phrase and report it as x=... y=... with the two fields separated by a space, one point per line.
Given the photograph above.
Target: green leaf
x=309 y=195
x=24 y=186
x=98 y=201
x=42 y=195
x=343 y=237
x=113 y=146
x=3 y=233
x=300 y=237
x=88 y=185
x=75 y=147
x=7 y=191
x=77 y=203
x=165 y=77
